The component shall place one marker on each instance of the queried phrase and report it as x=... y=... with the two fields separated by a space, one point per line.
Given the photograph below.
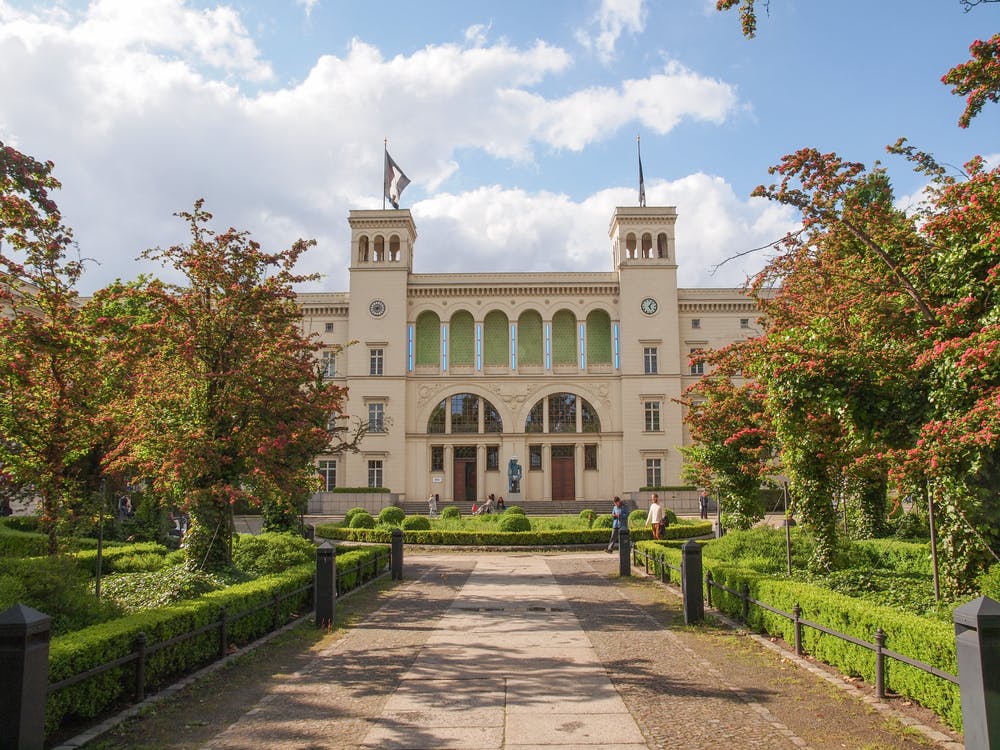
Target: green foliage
x=21 y=523
x=352 y=513
x=15 y=543
x=669 y=517
x=271 y=552
x=989 y=582
x=603 y=521
x=138 y=591
x=912 y=526
x=637 y=518
x=416 y=523
x=362 y=520
x=513 y=522
x=120 y=559
x=514 y=509
x=588 y=516
x=55 y=585
x=391 y=516
x=451 y=512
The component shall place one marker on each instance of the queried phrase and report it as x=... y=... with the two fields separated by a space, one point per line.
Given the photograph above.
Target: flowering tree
x=50 y=411
x=229 y=401
x=733 y=442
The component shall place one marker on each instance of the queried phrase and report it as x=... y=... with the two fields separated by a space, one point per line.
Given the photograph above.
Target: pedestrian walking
x=655 y=515
x=618 y=519
x=432 y=505
x=703 y=504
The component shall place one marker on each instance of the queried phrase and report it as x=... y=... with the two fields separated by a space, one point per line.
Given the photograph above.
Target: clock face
x=377 y=308
x=648 y=305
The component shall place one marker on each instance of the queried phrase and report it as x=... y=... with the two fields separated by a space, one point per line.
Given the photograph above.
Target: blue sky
x=516 y=121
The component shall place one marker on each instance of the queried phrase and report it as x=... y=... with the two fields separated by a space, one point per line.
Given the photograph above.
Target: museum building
x=573 y=376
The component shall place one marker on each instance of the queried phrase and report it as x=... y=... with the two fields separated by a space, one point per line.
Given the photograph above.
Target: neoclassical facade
x=576 y=376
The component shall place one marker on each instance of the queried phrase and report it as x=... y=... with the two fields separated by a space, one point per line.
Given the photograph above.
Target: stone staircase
x=531 y=507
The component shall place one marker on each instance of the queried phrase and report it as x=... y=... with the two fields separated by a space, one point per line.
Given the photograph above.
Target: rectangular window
x=696 y=322
x=649 y=360
x=376 y=417
x=744 y=322
x=652 y=416
x=328 y=364
x=590 y=457
x=492 y=458
x=375 y=474
x=329 y=327
x=437 y=458
x=409 y=348
x=534 y=458
x=654 y=475
x=697 y=368
x=375 y=361
x=328 y=475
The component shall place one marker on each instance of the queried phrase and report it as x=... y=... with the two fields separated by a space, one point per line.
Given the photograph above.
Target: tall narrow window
x=534 y=458
x=590 y=457
x=375 y=361
x=492 y=458
x=329 y=364
x=649 y=360
x=654 y=473
x=697 y=368
x=437 y=458
x=616 y=347
x=375 y=473
x=652 y=416
x=328 y=475
x=376 y=417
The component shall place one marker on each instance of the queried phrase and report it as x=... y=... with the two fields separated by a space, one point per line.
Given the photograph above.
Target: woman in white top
x=655 y=515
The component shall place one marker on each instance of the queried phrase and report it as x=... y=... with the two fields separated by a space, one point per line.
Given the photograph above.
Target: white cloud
x=613 y=18
x=307 y=5
x=143 y=112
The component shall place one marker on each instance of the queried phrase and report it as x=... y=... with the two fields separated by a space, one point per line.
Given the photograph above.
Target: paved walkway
x=540 y=651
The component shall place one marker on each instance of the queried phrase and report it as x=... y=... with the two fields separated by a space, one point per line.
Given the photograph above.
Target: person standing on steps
x=703 y=504
x=618 y=519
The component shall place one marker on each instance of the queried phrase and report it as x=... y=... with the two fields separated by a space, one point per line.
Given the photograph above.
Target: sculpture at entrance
x=513 y=476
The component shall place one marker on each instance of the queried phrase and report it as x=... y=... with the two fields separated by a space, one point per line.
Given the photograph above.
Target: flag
x=395 y=181
x=642 y=182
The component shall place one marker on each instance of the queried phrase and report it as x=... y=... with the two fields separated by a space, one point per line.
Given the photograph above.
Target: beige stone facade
x=575 y=375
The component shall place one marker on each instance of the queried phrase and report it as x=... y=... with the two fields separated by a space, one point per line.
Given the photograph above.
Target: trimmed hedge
x=16 y=542
x=503 y=538
x=920 y=638
x=88 y=648
x=416 y=523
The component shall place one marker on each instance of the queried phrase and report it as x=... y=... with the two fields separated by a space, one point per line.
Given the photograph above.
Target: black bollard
x=326 y=585
x=24 y=664
x=396 y=562
x=624 y=552
x=694 y=597
x=977 y=646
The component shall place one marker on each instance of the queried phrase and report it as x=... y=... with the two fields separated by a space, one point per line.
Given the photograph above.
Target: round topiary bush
x=588 y=516
x=513 y=522
x=349 y=515
x=603 y=521
x=391 y=516
x=669 y=517
x=416 y=523
x=514 y=510
x=362 y=520
x=451 y=512
x=637 y=518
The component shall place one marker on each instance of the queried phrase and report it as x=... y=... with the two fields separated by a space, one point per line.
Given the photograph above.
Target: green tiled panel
x=529 y=339
x=496 y=339
x=599 y=337
x=463 y=339
x=564 y=338
x=428 y=338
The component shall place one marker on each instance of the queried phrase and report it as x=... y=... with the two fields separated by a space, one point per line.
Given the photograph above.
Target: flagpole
x=642 y=187
x=385 y=159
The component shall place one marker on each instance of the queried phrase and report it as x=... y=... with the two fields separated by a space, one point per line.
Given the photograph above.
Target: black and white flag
x=395 y=181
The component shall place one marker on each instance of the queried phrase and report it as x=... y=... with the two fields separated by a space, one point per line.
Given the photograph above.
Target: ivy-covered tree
x=51 y=418
x=228 y=399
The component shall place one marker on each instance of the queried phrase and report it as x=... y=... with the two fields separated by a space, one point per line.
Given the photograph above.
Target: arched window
x=496 y=338
x=491 y=418
x=529 y=338
x=463 y=339
x=564 y=338
x=647 y=245
x=394 y=248
x=464 y=413
x=661 y=245
x=599 y=337
x=562 y=409
x=428 y=338
x=363 y=249
x=436 y=423
x=379 y=254
x=630 y=248
x=464 y=409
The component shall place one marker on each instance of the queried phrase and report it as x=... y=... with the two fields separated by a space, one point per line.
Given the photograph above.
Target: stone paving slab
x=530 y=651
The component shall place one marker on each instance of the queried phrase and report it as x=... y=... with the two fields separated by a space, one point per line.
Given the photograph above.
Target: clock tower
x=642 y=245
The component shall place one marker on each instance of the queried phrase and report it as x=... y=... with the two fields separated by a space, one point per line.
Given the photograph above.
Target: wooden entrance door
x=563 y=472
x=465 y=473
